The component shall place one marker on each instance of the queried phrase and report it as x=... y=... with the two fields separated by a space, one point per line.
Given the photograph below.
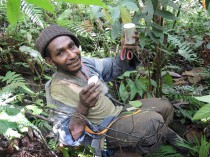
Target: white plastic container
x=129 y=31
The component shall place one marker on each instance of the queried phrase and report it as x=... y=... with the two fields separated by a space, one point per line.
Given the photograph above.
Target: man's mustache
x=72 y=61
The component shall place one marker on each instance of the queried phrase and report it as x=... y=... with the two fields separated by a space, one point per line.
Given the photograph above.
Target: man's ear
x=49 y=61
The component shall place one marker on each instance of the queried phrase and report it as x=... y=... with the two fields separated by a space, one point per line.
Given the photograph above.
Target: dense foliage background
x=175 y=36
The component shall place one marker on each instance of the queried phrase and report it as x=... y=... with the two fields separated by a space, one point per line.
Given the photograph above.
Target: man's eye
x=59 y=53
x=71 y=46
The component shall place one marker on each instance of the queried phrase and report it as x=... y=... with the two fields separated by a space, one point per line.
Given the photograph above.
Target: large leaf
x=85 y=2
x=13 y=10
x=169 y=3
x=165 y=14
x=45 y=4
x=208 y=46
x=116 y=29
x=31 y=51
x=157 y=26
x=168 y=80
x=205 y=98
x=115 y=13
x=203 y=112
x=133 y=89
x=130 y=6
x=135 y=103
x=140 y=84
x=125 y=15
x=148 y=9
x=35 y=109
x=141 y=87
x=5 y=125
x=123 y=92
x=107 y=15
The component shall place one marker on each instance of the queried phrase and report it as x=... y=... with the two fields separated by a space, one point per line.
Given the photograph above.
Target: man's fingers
x=87 y=88
x=92 y=90
x=93 y=98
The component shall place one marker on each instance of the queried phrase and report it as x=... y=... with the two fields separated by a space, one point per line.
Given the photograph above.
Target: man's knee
x=166 y=104
x=156 y=135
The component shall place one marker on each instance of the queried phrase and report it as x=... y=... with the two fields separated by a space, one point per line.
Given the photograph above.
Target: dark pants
x=144 y=131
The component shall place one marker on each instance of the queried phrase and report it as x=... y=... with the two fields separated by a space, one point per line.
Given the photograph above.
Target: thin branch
x=39 y=117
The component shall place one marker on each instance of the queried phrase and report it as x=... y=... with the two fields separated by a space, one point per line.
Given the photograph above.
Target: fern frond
x=186 y=113
x=6 y=97
x=32 y=12
x=77 y=28
x=165 y=150
x=12 y=77
x=184 y=49
x=14 y=81
x=42 y=124
x=184 y=89
x=3 y=2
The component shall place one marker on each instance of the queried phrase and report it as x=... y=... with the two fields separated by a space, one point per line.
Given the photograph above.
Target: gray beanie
x=50 y=33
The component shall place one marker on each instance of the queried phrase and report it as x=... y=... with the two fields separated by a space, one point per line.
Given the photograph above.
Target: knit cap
x=50 y=33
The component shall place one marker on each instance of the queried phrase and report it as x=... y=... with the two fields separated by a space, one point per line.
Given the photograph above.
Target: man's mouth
x=74 y=61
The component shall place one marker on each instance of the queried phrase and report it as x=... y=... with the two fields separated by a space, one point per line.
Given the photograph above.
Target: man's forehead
x=60 y=41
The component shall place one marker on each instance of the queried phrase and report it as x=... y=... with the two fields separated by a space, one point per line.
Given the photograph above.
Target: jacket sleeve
x=111 y=68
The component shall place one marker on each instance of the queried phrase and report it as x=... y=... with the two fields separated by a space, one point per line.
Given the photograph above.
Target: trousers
x=145 y=131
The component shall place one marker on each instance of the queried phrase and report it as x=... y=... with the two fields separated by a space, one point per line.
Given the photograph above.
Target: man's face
x=65 y=55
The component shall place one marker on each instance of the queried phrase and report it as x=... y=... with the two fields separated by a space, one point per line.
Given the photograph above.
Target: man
x=91 y=114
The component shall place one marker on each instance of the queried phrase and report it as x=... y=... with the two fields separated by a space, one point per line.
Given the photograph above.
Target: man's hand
x=88 y=97
x=130 y=50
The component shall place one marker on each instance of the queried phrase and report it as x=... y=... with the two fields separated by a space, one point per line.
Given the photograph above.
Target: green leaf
x=116 y=29
x=29 y=91
x=130 y=6
x=51 y=106
x=11 y=111
x=115 y=13
x=135 y=103
x=31 y=51
x=208 y=46
x=12 y=133
x=205 y=98
x=153 y=83
x=156 y=26
x=133 y=89
x=208 y=9
x=148 y=9
x=204 y=147
x=203 y=112
x=107 y=15
x=169 y=3
x=123 y=92
x=44 y=4
x=34 y=109
x=39 y=102
x=165 y=14
x=13 y=11
x=85 y=2
x=5 y=125
x=168 y=80
x=125 y=15
x=128 y=73
x=140 y=84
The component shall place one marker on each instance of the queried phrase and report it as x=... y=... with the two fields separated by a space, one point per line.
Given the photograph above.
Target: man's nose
x=70 y=53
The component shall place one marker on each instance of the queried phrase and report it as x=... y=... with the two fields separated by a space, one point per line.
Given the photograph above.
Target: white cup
x=129 y=31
